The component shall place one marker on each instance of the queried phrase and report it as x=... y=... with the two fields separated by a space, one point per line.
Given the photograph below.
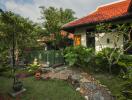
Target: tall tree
x=23 y=29
x=54 y=18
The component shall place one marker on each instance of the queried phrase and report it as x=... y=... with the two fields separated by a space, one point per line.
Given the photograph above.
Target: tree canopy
x=22 y=29
x=54 y=19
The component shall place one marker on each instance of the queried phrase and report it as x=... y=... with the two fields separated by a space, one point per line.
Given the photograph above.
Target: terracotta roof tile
x=103 y=13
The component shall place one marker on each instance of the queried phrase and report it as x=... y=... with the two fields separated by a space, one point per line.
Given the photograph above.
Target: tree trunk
x=10 y=56
x=17 y=56
x=110 y=70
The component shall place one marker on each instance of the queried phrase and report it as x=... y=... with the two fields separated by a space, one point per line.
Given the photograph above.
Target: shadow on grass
x=41 y=90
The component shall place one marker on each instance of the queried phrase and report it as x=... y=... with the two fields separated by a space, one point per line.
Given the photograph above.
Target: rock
x=84 y=80
x=84 y=74
x=46 y=65
x=58 y=69
x=109 y=92
x=89 y=86
x=76 y=77
x=86 y=97
x=103 y=86
x=74 y=80
x=83 y=91
x=107 y=89
x=84 y=83
x=46 y=69
x=78 y=89
x=98 y=96
x=46 y=76
x=76 y=83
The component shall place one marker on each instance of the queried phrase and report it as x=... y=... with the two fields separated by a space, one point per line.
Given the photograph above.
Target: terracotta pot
x=37 y=75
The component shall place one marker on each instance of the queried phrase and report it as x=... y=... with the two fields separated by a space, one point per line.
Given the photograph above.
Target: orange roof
x=105 y=12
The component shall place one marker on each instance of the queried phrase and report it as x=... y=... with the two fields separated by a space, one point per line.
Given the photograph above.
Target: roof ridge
x=112 y=3
x=104 y=12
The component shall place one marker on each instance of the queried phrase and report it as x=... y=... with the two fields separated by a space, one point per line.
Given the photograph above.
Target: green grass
x=113 y=83
x=42 y=89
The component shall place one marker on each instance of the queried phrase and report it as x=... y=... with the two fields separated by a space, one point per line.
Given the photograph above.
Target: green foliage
x=125 y=60
x=105 y=58
x=79 y=56
x=33 y=67
x=127 y=86
x=22 y=28
x=4 y=63
x=124 y=65
x=110 y=27
x=54 y=19
x=41 y=90
x=24 y=35
x=101 y=63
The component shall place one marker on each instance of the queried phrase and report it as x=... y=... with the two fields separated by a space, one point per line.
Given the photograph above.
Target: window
x=108 y=40
x=77 y=40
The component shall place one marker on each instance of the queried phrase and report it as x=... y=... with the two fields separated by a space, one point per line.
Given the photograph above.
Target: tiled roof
x=105 y=12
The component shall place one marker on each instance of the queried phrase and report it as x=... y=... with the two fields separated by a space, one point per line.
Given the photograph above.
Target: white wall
x=82 y=32
x=101 y=40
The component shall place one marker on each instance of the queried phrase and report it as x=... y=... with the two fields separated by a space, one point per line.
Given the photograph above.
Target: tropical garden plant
x=14 y=27
x=54 y=19
x=119 y=29
x=79 y=56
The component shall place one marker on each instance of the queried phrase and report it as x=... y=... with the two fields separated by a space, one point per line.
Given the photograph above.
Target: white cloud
x=26 y=10
x=31 y=10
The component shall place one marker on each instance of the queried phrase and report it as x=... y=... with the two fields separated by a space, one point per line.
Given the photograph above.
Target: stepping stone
x=14 y=94
x=98 y=96
x=76 y=77
x=89 y=86
x=46 y=69
x=84 y=80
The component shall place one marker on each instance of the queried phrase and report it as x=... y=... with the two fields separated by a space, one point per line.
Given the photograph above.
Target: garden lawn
x=114 y=83
x=42 y=89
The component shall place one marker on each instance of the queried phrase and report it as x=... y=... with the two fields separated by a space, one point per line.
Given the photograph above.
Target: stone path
x=90 y=88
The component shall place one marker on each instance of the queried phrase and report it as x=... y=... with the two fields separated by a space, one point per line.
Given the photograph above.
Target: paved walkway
x=90 y=88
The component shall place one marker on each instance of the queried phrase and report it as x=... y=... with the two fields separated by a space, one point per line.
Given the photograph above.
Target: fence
x=51 y=56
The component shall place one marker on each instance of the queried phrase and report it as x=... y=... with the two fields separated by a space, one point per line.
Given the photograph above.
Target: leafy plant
x=54 y=19
x=79 y=56
x=34 y=66
x=127 y=86
x=113 y=56
x=106 y=60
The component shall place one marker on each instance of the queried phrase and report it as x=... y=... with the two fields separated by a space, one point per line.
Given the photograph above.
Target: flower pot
x=38 y=75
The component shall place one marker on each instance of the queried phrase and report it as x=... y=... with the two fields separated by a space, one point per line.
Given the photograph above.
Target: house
x=116 y=12
x=45 y=41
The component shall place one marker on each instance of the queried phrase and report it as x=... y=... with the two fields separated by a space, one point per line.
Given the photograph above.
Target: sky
x=30 y=8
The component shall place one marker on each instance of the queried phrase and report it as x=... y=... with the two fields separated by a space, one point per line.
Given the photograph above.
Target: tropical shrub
x=106 y=60
x=118 y=61
x=79 y=56
x=125 y=61
x=127 y=86
x=4 y=62
x=33 y=67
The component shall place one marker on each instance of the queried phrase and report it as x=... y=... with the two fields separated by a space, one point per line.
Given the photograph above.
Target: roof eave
x=115 y=19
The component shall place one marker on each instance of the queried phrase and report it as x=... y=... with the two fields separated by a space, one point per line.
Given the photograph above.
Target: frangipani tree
x=119 y=30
